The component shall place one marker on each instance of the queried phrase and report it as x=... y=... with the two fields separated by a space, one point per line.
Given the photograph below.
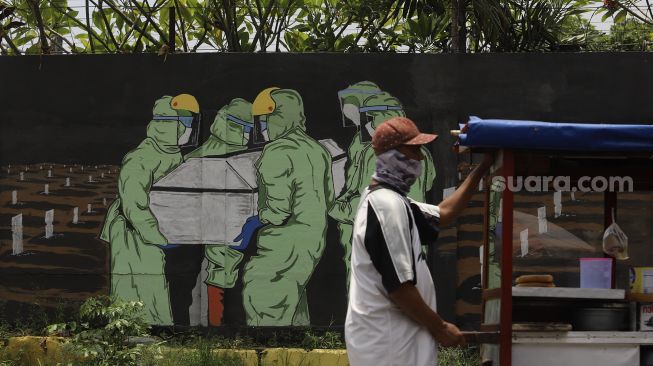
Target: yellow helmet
x=264 y=104
x=185 y=102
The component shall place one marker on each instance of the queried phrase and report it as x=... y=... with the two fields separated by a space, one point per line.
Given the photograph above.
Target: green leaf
x=97 y=21
x=34 y=49
x=164 y=16
x=120 y=22
x=243 y=37
x=608 y=14
x=621 y=16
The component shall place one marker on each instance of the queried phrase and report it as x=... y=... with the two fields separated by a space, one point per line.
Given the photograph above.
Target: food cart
x=576 y=180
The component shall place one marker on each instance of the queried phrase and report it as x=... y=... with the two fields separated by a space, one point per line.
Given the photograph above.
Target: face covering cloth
x=397 y=170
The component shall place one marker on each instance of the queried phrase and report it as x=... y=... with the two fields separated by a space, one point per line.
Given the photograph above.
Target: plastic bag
x=615 y=241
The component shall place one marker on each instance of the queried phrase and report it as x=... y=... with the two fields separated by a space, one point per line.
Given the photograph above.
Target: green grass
x=459 y=356
x=201 y=354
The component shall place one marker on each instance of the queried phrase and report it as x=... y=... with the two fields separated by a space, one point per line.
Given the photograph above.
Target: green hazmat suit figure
x=377 y=108
x=425 y=181
x=229 y=134
x=130 y=228
x=228 y=131
x=351 y=100
x=295 y=192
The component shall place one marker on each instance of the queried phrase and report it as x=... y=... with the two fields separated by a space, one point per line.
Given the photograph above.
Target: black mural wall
x=68 y=122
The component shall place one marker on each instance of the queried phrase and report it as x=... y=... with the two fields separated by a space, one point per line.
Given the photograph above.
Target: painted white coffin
x=207 y=200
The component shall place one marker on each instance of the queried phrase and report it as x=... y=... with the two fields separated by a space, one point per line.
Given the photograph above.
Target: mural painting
x=186 y=218
x=233 y=207
x=365 y=106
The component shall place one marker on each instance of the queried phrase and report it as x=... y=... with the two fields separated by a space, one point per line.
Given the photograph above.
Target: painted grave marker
x=557 y=204
x=523 y=238
x=542 y=224
x=17 y=234
x=49 y=227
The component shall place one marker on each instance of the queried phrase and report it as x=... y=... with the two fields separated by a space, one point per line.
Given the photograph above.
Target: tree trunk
x=88 y=27
x=458 y=26
x=172 y=22
x=45 y=47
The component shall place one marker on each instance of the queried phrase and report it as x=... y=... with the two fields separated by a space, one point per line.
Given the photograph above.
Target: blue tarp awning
x=534 y=135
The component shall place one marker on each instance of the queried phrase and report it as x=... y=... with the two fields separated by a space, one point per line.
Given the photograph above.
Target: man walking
x=391 y=317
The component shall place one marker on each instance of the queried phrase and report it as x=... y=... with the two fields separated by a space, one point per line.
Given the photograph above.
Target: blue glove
x=168 y=246
x=252 y=224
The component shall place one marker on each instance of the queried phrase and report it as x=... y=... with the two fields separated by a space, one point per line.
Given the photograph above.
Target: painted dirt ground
x=73 y=264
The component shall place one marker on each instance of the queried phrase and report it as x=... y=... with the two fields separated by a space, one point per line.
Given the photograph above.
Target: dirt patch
x=71 y=265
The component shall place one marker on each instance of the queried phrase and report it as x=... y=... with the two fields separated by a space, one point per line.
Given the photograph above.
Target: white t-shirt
x=386 y=252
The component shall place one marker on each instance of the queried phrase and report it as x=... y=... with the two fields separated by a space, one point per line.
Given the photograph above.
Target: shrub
x=101 y=335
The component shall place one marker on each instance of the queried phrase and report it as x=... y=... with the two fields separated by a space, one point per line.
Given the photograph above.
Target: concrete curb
x=49 y=348
x=34 y=349
x=297 y=356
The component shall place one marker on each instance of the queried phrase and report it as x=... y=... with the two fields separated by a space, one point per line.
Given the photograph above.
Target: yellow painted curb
x=333 y=357
x=32 y=350
x=300 y=357
x=247 y=357
x=45 y=350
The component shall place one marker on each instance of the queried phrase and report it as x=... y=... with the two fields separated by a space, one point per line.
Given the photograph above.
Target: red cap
x=398 y=131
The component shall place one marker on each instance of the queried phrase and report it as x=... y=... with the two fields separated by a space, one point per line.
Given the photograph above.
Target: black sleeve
x=427 y=228
x=376 y=246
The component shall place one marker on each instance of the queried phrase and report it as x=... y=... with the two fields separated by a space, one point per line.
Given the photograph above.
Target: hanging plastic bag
x=615 y=241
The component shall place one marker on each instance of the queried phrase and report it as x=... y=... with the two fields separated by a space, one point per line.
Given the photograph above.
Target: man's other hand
x=450 y=336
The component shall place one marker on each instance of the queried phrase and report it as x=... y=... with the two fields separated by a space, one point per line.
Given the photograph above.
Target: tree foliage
x=134 y=26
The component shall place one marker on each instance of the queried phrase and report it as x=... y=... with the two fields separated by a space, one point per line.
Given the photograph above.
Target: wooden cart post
x=505 y=345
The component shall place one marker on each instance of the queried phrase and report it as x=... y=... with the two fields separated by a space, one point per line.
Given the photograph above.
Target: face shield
x=188 y=135
x=262 y=106
x=258 y=132
x=367 y=119
x=349 y=103
x=255 y=132
x=350 y=115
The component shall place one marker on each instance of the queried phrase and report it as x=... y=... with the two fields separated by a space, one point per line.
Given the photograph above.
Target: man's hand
x=411 y=303
x=457 y=202
x=449 y=336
